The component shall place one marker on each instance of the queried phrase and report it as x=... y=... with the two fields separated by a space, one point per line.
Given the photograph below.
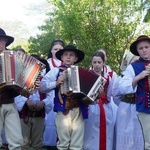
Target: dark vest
x=142 y=93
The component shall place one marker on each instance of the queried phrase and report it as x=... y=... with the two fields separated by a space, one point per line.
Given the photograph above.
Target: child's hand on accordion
x=101 y=90
x=37 y=84
x=60 y=79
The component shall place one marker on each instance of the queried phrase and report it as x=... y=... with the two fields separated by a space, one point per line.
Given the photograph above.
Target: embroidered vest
x=142 y=93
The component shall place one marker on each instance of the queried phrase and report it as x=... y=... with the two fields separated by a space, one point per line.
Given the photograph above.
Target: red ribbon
x=102 y=135
x=53 y=63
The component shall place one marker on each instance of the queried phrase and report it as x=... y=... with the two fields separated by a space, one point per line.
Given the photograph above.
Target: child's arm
x=49 y=82
x=20 y=101
x=142 y=75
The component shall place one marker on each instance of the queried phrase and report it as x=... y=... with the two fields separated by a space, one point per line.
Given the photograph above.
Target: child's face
x=3 y=42
x=69 y=58
x=143 y=48
x=97 y=64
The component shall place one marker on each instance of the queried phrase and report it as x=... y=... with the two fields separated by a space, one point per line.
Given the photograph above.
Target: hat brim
x=10 y=39
x=133 y=47
x=78 y=52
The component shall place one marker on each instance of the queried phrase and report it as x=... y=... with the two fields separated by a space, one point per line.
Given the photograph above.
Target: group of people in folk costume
x=117 y=120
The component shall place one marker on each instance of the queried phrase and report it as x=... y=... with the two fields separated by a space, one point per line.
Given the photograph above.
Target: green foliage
x=147 y=17
x=90 y=25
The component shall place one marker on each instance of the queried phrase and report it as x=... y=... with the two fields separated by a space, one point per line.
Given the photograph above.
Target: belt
x=34 y=114
x=129 y=98
x=72 y=103
x=6 y=100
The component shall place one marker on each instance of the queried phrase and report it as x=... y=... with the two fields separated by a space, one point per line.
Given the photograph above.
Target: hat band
x=3 y=38
x=143 y=38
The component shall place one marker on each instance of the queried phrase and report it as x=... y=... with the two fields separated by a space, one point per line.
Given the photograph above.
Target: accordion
x=82 y=84
x=19 y=71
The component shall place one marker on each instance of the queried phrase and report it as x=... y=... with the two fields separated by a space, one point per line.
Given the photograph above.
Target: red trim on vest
x=146 y=86
x=23 y=111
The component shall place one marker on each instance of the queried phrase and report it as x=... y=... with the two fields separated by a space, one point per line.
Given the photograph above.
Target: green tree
x=90 y=25
x=16 y=29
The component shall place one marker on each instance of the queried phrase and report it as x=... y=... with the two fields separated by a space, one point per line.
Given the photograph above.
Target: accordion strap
x=60 y=97
x=62 y=68
x=59 y=91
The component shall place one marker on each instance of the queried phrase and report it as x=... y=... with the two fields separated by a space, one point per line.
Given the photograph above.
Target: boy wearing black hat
x=69 y=122
x=137 y=80
x=9 y=118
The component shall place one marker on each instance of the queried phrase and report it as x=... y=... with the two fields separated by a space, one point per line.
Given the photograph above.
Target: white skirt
x=128 y=129
x=91 y=137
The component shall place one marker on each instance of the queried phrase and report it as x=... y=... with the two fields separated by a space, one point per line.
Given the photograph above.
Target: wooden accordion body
x=82 y=84
x=19 y=71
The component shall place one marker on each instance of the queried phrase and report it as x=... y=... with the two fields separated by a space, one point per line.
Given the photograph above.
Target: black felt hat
x=79 y=53
x=10 y=39
x=133 y=47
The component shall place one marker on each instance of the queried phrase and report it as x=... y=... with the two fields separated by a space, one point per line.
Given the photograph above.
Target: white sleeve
x=117 y=96
x=110 y=86
x=20 y=101
x=48 y=82
x=125 y=84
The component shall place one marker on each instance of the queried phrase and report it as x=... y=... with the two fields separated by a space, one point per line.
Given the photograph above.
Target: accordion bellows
x=82 y=84
x=19 y=71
